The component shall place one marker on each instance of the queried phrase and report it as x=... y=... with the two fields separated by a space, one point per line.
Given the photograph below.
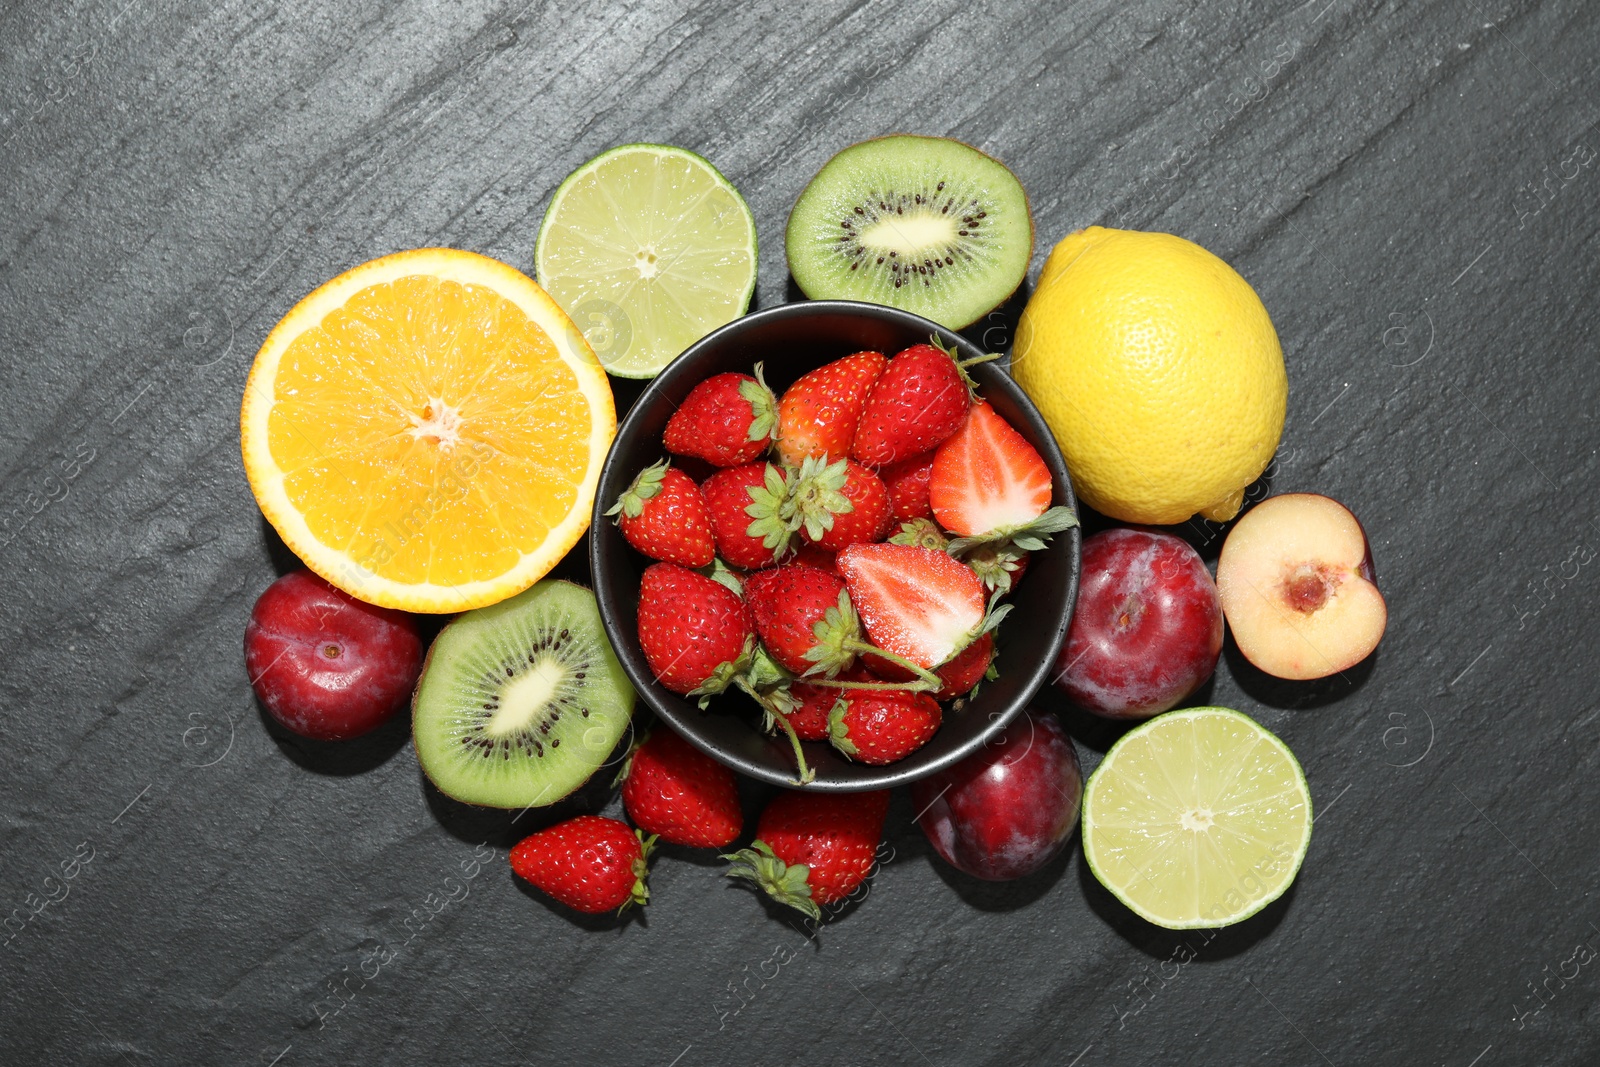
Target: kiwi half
x=926 y=224
x=520 y=702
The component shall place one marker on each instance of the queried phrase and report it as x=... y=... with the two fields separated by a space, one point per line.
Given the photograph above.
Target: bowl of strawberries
x=835 y=546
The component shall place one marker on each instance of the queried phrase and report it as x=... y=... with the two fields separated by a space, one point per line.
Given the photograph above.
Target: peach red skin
x=326 y=665
x=1147 y=629
x=1009 y=808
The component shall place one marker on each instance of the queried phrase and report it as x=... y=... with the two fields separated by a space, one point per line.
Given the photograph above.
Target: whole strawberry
x=680 y=794
x=747 y=505
x=589 y=863
x=695 y=632
x=907 y=483
x=818 y=414
x=838 y=504
x=662 y=515
x=919 y=400
x=812 y=849
x=727 y=420
x=878 y=726
x=813 y=555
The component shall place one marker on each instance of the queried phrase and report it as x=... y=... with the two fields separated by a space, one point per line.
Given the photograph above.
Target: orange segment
x=426 y=431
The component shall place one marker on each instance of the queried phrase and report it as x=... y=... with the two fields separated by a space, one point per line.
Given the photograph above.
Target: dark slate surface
x=1411 y=188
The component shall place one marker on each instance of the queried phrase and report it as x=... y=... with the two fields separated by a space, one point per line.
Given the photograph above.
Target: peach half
x=1296 y=584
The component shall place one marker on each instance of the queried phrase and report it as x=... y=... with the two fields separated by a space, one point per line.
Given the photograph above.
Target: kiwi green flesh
x=926 y=224
x=521 y=702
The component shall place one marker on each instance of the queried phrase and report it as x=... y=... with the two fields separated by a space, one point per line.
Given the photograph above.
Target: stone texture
x=1410 y=187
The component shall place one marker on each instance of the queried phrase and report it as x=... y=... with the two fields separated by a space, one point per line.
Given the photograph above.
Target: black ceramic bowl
x=791 y=340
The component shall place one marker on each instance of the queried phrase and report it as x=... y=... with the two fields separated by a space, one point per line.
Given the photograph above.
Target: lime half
x=1197 y=818
x=649 y=249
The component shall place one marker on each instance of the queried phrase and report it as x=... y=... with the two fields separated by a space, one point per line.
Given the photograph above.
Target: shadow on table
x=608 y=920
x=1295 y=696
x=1160 y=943
x=339 y=759
x=502 y=827
x=1005 y=896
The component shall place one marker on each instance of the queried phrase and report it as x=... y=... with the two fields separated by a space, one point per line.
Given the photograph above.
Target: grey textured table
x=1412 y=190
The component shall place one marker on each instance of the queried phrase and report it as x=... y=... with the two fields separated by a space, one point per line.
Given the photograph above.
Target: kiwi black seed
x=926 y=224
x=521 y=702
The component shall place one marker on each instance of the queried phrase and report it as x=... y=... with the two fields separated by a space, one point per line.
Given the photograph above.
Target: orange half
x=426 y=431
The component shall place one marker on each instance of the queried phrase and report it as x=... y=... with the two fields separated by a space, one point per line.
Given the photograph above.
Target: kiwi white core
x=526 y=696
x=909 y=234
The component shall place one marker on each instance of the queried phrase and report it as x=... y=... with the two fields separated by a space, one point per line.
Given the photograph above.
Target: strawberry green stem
x=774 y=713
x=861 y=648
x=918 y=686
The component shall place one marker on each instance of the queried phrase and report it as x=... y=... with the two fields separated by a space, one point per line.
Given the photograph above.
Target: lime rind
x=1141 y=857
x=643 y=277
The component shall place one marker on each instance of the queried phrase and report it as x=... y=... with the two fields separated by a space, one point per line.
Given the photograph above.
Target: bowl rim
x=903 y=771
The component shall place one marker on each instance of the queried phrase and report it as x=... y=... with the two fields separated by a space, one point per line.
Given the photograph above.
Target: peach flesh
x=1295 y=579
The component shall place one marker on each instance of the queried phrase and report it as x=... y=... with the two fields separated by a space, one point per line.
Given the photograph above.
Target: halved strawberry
x=917 y=603
x=917 y=402
x=988 y=483
x=663 y=515
x=818 y=414
x=727 y=420
x=837 y=504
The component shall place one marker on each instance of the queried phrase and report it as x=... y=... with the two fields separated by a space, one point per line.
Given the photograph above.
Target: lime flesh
x=1197 y=818
x=648 y=248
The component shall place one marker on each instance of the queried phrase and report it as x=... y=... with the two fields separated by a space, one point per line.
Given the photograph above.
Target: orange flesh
x=426 y=429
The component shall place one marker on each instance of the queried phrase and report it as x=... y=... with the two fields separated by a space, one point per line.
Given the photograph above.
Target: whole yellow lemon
x=1159 y=371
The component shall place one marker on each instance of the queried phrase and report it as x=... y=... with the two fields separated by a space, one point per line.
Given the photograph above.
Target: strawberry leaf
x=783 y=882
x=768 y=507
x=729 y=672
x=816 y=496
x=640 y=870
x=644 y=487
x=838 y=732
x=920 y=533
x=1030 y=536
x=838 y=636
x=724 y=576
x=763 y=407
